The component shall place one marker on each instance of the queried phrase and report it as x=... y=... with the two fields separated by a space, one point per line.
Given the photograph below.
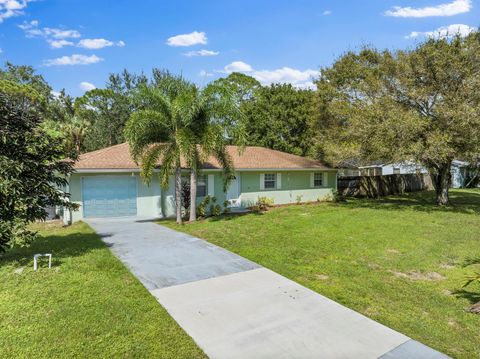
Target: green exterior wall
x=293 y=184
x=152 y=201
x=148 y=197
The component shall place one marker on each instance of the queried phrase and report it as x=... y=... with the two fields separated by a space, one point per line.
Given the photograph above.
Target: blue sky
x=75 y=44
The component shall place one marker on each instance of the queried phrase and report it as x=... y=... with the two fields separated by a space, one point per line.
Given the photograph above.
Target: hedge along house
x=107 y=183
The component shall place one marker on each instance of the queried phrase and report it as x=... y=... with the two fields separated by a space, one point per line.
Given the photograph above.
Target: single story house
x=459 y=170
x=106 y=183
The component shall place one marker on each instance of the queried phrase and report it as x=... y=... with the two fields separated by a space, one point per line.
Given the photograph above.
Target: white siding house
x=459 y=170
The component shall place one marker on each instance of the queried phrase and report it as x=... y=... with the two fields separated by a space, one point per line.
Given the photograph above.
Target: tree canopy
x=108 y=109
x=420 y=104
x=277 y=116
x=33 y=167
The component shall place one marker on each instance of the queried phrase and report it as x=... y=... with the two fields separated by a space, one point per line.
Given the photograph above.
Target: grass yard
x=398 y=260
x=88 y=305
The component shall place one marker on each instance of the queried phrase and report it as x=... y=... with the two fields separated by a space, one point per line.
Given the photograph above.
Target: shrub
x=202 y=207
x=215 y=210
x=299 y=199
x=226 y=208
x=263 y=203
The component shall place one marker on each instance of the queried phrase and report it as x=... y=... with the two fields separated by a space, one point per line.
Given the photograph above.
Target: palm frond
x=169 y=162
x=150 y=158
x=144 y=128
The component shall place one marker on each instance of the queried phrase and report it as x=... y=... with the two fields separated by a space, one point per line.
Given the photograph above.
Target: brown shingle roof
x=252 y=157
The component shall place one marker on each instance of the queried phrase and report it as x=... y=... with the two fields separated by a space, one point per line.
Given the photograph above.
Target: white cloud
x=201 y=53
x=327 y=12
x=444 y=31
x=57 y=38
x=58 y=44
x=86 y=86
x=453 y=8
x=295 y=77
x=73 y=60
x=61 y=33
x=298 y=78
x=194 y=38
x=204 y=73
x=237 y=66
x=98 y=43
x=31 y=29
x=11 y=8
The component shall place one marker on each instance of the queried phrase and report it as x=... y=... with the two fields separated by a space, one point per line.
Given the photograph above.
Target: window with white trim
x=318 y=179
x=270 y=180
x=201 y=185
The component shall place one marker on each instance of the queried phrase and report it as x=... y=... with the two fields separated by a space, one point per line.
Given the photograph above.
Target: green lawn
x=397 y=260
x=88 y=305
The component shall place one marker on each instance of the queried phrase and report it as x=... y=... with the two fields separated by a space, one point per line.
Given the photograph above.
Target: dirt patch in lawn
x=447 y=266
x=415 y=275
x=391 y=250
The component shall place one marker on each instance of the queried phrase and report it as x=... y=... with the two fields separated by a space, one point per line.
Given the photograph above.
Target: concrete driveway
x=234 y=308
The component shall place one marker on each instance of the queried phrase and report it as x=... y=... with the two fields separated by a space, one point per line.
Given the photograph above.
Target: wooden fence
x=378 y=186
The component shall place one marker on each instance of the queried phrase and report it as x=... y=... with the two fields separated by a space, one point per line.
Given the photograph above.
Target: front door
x=233 y=191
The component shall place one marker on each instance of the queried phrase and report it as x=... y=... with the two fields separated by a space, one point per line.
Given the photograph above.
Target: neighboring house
x=459 y=171
x=107 y=183
x=379 y=169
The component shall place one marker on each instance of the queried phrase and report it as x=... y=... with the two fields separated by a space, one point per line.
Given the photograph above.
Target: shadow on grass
x=472 y=296
x=61 y=246
x=461 y=201
x=222 y=217
x=465 y=201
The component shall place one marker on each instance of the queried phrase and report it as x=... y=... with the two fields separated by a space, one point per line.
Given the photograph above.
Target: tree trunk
x=441 y=181
x=77 y=146
x=193 y=195
x=178 y=193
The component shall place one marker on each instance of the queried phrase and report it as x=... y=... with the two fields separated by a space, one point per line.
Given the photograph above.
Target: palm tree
x=75 y=131
x=177 y=122
x=218 y=121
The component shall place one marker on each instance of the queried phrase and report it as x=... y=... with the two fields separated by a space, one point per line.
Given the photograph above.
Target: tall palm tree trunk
x=193 y=195
x=178 y=193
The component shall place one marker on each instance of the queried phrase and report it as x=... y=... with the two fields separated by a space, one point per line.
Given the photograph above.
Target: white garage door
x=109 y=196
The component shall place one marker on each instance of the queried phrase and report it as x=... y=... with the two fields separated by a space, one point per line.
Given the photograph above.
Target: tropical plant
x=471 y=279
x=180 y=126
x=218 y=121
x=202 y=206
x=263 y=203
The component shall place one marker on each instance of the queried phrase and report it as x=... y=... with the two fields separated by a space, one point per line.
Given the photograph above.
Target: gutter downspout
x=67 y=213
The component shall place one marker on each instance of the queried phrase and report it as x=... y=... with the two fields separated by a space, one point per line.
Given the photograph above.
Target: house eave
x=136 y=170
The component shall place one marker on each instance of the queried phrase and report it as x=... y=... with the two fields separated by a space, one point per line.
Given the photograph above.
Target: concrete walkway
x=234 y=308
